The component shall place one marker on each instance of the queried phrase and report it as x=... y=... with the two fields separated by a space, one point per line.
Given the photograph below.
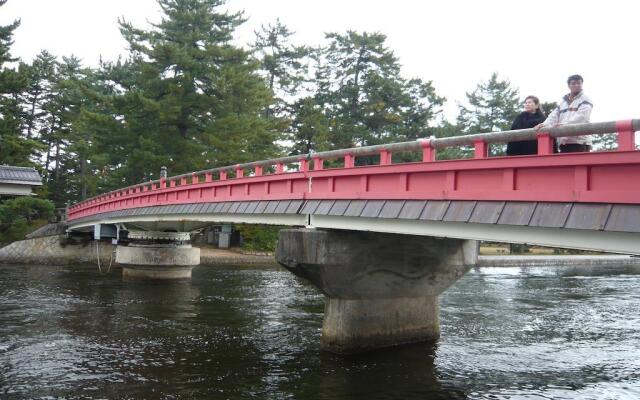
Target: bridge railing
x=624 y=130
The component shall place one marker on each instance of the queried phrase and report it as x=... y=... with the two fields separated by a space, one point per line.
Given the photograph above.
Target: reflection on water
x=254 y=333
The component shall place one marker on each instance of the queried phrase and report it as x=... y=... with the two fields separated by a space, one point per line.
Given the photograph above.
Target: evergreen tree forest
x=187 y=97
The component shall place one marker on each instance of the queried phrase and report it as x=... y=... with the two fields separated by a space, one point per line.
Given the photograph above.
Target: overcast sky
x=454 y=43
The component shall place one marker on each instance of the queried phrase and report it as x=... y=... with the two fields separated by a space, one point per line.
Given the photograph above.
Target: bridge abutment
x=381 y=289
x=167 y=258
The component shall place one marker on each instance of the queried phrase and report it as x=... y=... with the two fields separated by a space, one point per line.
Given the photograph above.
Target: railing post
x=279 y=168
x=428 y=152
x=183 y=181
x=163 y=182
x=626 y=135
x=385 y=157
x=304 y=165
x=545 y=144
x=208 y=177
x=259 y=171
x=318 y=163
x=481 y=149
x=194 y=178
x=172 y=183
x=223 y=175
x=239 y=171
x=349 y=160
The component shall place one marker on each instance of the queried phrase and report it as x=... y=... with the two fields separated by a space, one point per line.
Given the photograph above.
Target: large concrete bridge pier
x=158 y=255
x=381 y=289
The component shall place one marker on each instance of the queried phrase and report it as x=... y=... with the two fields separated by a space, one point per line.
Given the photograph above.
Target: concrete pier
x=157 y=261
x=382 y=289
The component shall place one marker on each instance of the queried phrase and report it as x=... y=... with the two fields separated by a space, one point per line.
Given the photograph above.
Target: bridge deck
x=603 y=217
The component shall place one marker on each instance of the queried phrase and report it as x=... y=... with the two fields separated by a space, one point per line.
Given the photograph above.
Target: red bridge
x=578 y=200
x=394 y=235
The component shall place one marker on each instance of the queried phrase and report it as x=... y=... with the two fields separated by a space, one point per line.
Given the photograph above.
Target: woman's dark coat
x=524 y=121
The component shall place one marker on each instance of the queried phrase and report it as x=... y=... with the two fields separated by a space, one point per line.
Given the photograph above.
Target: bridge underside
x=590 y=226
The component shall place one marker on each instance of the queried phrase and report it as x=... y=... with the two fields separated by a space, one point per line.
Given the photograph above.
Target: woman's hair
x=536 y=101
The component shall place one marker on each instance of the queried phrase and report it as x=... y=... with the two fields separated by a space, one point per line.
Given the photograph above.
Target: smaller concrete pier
x=381 y=289
x=158 y=255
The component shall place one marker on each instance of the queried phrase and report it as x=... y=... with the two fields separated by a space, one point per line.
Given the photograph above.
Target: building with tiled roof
x=18 y=181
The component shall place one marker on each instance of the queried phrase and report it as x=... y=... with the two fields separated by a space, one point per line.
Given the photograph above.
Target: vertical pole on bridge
x=318 y=163
x=626 y=135
x=481 y=149
x=545 y=144
x=349 y=161
x=385 y=157
x=428 y=152
x=304 y=165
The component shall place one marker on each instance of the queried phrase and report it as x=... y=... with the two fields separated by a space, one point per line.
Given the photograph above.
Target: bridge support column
x=144 y=259
x=381 y=289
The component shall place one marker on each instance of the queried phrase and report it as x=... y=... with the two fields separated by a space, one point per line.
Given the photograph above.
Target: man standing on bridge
x=574 y=108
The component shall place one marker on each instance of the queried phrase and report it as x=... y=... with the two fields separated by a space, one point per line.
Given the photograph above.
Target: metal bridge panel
x=391 y=209
x=339 y=207
x=435 y=210
x=624 y=218
x=251 y=208
x=294 y=207
x=234 y=207
x=310 y=206
x=412 y=209
x=271 y=207
x=517 y=213
x=176 y=209
x=487 y=212
x=209 y=208
x=227 y=206
x=261 y=206
x=242 y=207
x=355 y=208
x=282 y=206
x=588 y=216
x=459 y=211
x=372 y=208
x=550 y=215
x=324 y=207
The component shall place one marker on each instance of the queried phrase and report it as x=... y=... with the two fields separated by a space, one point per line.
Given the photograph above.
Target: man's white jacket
x=575 y=112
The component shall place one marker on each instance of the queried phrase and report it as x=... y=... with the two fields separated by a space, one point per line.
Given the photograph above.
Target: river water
x=236 y=333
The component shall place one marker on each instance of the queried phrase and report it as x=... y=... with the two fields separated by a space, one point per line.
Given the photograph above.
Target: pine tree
x=493 y=107
x=283 y=64
x=193 y=99
x=15 y=149
x=309 y=128
x=364 y=96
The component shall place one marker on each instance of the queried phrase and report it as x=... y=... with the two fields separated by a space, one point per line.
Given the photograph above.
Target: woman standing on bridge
x=529 y=118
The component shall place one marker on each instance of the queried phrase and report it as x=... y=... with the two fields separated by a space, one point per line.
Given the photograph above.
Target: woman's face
x=530 y=106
